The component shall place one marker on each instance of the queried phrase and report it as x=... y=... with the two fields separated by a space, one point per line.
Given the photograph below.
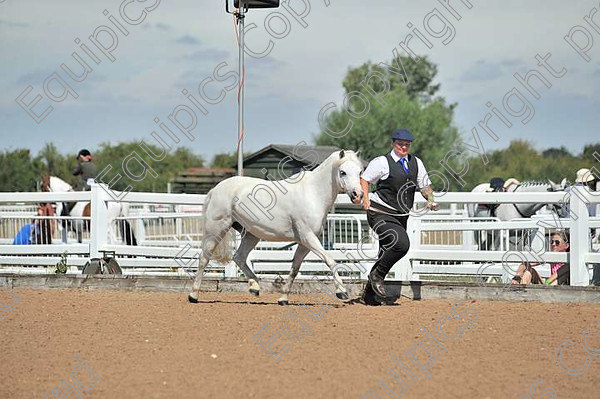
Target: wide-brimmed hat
x=584 y=176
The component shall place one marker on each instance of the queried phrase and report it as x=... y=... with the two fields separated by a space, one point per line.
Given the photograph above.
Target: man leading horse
x=397 y=175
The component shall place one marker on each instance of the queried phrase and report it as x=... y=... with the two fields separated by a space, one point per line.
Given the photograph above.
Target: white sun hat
x=584 y=176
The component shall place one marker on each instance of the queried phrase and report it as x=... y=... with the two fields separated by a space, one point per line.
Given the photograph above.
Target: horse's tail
x=204 y=211
x=223 y=252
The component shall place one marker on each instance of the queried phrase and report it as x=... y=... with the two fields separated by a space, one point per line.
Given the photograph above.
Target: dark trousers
x=393 y=240
x=596 y=275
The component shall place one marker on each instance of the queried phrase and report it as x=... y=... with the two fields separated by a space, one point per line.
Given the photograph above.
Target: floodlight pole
x=240 y=149
x=243 y=7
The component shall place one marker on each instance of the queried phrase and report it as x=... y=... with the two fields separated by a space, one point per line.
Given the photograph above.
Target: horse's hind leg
x=249 y=241
x=202 y=262
x=299 y=256
x=209 y=244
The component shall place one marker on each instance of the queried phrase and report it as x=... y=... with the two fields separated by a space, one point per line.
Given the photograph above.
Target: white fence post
x=99 y=218
x=140 y=231
x=579 y=240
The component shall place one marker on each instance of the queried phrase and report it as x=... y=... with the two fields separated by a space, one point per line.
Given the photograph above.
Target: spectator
x=559 y=272
x=86 y=170
x=25 y=235
x=39 y=231
x=45 y=226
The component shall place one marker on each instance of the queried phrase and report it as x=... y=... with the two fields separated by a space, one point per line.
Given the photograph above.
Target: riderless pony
x=508 y=211
x=83 y=209
x=293 y=209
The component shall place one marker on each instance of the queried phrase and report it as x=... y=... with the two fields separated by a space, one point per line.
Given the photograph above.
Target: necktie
x=404 y=164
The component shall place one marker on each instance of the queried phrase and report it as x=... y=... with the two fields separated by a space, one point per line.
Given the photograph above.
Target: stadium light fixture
x=241 y=7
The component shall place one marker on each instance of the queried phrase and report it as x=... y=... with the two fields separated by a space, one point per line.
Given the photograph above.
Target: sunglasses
x=555 y=242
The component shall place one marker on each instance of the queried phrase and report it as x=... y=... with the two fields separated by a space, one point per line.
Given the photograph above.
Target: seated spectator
x=43 y=234
x=25 y=234
x=39 y=231
x=559 y=272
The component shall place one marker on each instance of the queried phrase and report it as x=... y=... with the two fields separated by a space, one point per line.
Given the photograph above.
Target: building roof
x=323 y=152
x=207 y=170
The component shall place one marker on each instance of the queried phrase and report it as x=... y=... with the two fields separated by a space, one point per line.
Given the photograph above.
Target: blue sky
x=180 y=43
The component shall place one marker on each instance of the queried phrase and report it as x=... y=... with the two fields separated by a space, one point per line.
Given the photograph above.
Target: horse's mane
x=334 y=158
x=534 y=183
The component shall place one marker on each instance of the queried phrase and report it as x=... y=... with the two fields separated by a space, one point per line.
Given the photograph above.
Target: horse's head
x=347 y=170
x=557 y=186
x=560 y=209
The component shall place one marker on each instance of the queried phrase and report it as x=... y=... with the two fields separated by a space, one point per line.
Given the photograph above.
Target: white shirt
x=379 y=169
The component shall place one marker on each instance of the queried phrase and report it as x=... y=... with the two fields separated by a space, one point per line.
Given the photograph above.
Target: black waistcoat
x=398 y=190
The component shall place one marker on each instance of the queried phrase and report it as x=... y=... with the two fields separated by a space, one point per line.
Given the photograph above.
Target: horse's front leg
x=299 y=256
x=311 y=241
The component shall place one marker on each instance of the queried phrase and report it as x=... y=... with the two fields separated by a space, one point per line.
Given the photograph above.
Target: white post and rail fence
x=442 y=243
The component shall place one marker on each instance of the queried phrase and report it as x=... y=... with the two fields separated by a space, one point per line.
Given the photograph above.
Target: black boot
x=376 y=284
x=369 y=297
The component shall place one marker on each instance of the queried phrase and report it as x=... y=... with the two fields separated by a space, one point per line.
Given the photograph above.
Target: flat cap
x=402 y=134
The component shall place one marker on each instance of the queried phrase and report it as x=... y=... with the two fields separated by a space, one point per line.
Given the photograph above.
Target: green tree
x=555 y=153
x=420 y=77
x=224 y=160
x=19 y=172
x=173 y=163
x=412 y=106
x=520 y=160
x=523 y=162
x=55 y=164
x=589 y=150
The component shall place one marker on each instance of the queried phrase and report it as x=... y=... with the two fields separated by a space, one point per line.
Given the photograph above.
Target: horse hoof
x=283 y=302
x=254 y=292
x=342 y=295
x=191 y=299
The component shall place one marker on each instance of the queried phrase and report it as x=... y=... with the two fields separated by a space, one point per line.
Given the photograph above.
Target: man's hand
x=366 y=203
x=427 y=193
x=432 y=205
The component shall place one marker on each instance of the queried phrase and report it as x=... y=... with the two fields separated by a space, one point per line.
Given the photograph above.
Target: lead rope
x=434 y=207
